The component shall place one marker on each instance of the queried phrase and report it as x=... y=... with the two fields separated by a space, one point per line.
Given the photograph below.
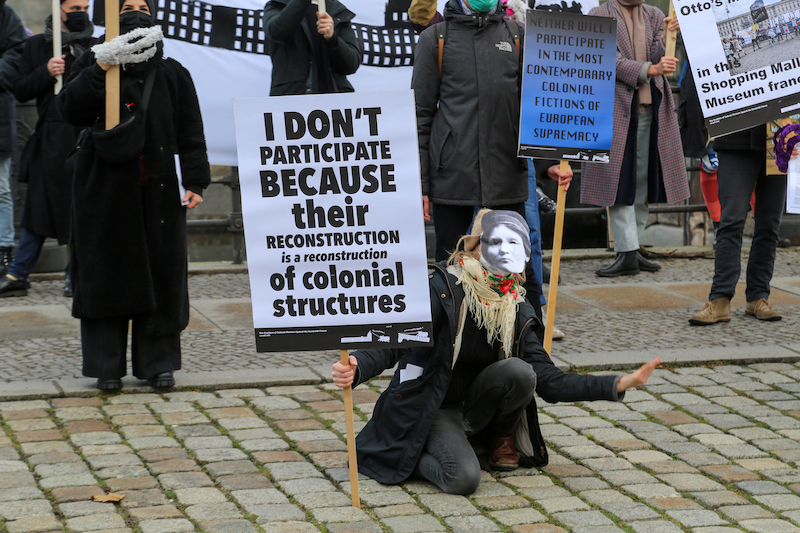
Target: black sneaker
x=12 y=287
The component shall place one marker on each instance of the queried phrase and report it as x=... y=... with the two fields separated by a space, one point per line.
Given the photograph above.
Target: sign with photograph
x=568 y=87
x=332 y=207
x=749 y=72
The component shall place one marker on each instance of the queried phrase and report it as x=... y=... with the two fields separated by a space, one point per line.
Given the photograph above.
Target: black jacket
x=390 y=444
x=12 y=38
x=468 y=118
x=128 y=242
x=289 y=41
x=752 y=139
x=49 y=196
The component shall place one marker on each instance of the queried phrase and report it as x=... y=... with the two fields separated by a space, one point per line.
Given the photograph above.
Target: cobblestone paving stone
x=587 y=326
x=202 y=477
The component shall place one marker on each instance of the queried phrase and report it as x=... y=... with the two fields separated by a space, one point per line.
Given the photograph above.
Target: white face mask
x=504 y=250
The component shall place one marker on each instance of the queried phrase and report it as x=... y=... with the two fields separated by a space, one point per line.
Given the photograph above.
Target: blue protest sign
x=568 y=87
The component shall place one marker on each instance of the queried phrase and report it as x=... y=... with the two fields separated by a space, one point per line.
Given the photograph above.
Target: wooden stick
x=57 y=41
x=351 y=436
x=671 y=36
x=555 y=262
x=112 y=74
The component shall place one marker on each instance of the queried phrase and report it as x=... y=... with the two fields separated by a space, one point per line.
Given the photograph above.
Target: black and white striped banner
x=223 y=47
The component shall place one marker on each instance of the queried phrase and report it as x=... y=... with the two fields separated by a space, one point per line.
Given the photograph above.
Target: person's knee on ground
x=462 y=478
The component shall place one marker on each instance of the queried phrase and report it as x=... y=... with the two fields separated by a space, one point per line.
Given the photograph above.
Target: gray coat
x=468 y=121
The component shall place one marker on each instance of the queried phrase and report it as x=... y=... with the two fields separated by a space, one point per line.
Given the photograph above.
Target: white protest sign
x=332 y=207
x=744 y=59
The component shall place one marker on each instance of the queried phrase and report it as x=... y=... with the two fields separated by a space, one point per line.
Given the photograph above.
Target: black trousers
x=739 y=174
x=104 y=342
x=496 y=402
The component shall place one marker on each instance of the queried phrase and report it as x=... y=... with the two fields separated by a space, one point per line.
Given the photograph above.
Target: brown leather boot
x=718 y=310
x=762 y=310
x=504 y=453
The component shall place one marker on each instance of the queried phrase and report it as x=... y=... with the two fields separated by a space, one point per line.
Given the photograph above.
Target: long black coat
x=12 y=38
x=390 y=444
x=128 y=239
x=289 y=38
x=49 y=197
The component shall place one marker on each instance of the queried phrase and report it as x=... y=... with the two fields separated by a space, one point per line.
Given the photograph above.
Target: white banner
x=744 y=58
x=222 y=45
x=332 y=207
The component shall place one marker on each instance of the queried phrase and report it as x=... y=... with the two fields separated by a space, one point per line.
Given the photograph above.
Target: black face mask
x=131 y=20
x=77 y=21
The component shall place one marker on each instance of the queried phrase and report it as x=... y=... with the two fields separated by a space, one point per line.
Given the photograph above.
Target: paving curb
x=205 y=381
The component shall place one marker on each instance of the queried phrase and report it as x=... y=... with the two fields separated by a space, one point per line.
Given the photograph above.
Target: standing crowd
x=117 y=193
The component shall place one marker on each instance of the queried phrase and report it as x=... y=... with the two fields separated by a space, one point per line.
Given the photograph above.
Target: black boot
x=647 y=266
x=6 y=256
x=12 y=287
x=626 y=264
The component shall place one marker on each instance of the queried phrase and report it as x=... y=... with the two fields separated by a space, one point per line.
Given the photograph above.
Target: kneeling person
x=477 y=382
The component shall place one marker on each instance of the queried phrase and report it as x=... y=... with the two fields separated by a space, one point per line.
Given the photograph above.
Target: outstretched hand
x=639 y=377
x=343 y=374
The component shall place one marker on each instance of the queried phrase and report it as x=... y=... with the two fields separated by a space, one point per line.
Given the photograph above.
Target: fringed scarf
x=492 y=300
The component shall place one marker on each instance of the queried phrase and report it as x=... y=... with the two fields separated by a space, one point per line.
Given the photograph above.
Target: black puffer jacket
x=390 y=444
x=289 y=41
x=468 y=119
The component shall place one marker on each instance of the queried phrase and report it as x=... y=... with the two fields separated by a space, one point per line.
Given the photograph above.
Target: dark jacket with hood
x=128 y=242
x=12 y=38
x=290 y=38
x=468 y=119
x=48 y=200
x=390 y=444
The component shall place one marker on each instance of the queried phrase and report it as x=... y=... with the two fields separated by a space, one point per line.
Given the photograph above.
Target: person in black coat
x=311 y=52
x=477 y=382
x=49 y=195
x=12 y=38
x=128 y=241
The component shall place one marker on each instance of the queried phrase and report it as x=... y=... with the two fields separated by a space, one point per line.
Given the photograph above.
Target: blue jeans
x=739 y=174
x=496 y=401
x=534 y=224
x=30 y=246
x=6 y=204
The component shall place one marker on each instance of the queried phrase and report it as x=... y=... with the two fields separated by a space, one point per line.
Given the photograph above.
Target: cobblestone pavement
x=698 y=450
x=599 y=315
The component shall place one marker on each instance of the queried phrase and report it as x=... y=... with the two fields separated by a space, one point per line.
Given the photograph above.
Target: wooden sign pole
x=351 y=436
x=671 y=39
x=555 y=262
x=112 y=74
x=57 y=41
